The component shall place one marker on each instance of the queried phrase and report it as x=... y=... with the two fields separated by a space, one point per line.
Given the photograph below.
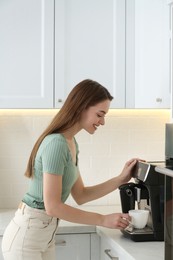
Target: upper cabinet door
x=26 y=53
x=90 y=43
x=147 y=54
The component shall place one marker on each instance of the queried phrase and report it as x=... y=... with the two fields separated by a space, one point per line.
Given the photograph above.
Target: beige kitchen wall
x=126 y=134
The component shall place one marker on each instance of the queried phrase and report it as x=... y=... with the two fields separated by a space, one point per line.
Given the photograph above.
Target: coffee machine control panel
x=141 y=171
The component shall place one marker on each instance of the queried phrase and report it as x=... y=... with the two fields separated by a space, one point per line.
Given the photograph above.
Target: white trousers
x=30 y=235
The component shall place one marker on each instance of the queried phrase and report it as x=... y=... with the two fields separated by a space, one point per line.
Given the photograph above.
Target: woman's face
x=94 y=116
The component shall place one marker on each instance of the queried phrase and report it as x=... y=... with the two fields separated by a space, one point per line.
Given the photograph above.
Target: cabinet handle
x=159 y=100
x=60 y=243
x=60 y=100
x=107 y=252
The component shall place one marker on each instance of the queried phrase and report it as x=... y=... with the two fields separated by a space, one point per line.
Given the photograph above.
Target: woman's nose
x=102 y=121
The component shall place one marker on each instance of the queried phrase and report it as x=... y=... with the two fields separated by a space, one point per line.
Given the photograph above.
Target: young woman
x=54 y=173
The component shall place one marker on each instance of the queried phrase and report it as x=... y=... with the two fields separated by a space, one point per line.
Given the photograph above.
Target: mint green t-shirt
x=53 y=156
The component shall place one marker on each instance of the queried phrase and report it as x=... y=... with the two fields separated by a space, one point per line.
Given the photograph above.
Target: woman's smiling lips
x=96 y=126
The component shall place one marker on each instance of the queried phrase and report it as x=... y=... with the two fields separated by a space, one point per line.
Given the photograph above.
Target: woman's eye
x=99 y=115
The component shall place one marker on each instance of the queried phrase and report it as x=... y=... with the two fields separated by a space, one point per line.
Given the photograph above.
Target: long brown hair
x=85 y=94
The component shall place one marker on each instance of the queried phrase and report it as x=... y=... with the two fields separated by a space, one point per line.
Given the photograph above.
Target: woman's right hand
x=127 y=171
x=116 y=220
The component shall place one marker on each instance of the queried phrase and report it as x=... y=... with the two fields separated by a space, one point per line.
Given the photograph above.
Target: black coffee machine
x=147 y=192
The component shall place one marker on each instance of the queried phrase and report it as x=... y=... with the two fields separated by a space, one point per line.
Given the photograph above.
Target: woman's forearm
x=95 y=192
x=99 y=190
x=71 y=214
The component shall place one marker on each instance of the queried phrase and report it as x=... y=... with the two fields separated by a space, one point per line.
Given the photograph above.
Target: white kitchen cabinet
x=90 y=43
x=124 y=44
x=48 y=46
x=73 y=246
x=77 y=246
x=147 y=54
x=109 y=251
x=26 y=51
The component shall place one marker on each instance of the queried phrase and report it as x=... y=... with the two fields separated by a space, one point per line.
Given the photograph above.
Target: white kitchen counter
x=137 y=250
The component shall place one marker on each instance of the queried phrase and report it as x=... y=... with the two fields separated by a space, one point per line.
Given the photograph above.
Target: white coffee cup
x=139 y=217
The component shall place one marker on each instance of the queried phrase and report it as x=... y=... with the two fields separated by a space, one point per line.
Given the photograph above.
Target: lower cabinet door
x=73 y=247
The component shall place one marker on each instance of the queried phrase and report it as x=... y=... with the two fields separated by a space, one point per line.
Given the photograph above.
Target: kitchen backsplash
x=126 y=134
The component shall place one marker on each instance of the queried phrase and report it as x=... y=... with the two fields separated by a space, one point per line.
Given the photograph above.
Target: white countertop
x=136 y=250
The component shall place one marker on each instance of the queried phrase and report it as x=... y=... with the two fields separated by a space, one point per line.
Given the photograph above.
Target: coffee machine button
x=129 y=192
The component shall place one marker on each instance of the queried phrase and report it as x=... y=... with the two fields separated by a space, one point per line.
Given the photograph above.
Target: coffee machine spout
x=138 y=196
